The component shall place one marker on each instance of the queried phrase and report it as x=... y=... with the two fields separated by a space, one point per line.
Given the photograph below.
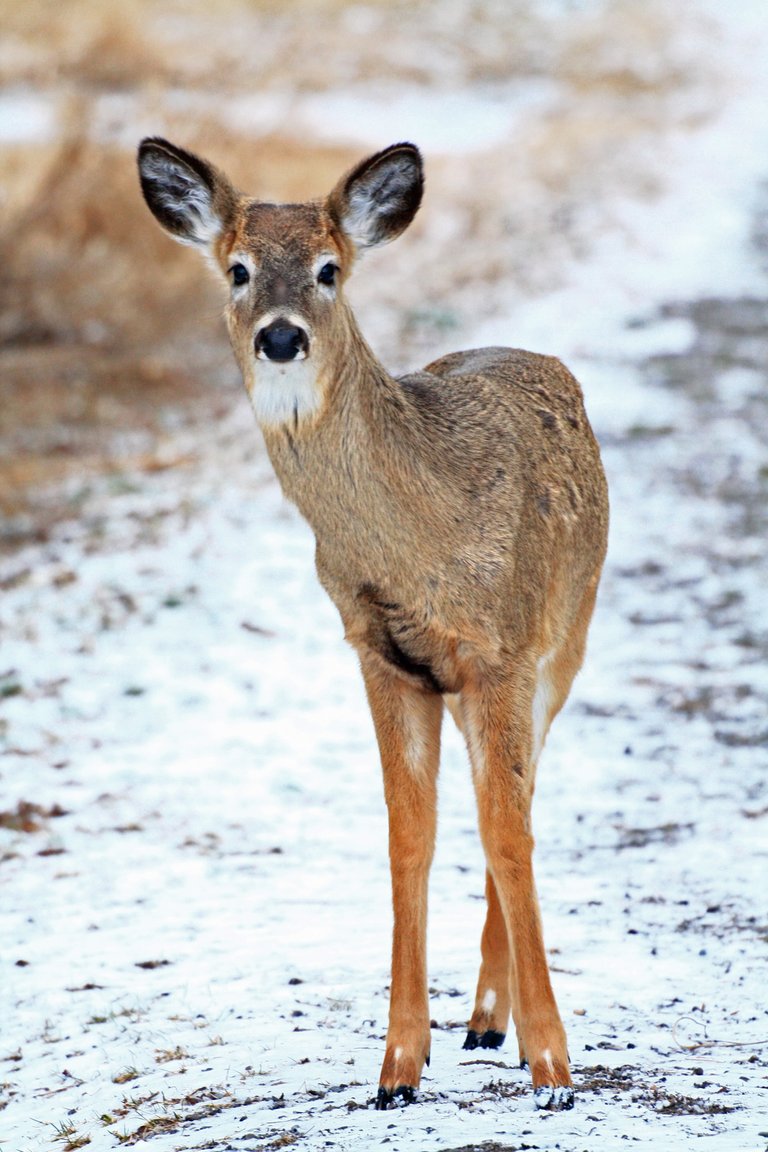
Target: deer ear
x=377 y=200
x=189 y=197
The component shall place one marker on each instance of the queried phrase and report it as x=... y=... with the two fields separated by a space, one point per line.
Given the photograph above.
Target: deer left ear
x=377 y=200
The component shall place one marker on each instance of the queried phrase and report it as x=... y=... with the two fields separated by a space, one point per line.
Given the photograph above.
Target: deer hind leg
x=407 y=721
x=503 y=732
x=496 y=984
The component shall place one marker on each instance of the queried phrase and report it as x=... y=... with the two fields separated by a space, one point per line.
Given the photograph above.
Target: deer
x=460 y=515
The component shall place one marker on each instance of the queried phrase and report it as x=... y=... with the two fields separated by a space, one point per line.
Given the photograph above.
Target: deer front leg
x=407 y=721
x=498 y=719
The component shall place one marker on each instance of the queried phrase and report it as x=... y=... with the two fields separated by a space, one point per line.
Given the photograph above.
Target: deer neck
x=327 y=462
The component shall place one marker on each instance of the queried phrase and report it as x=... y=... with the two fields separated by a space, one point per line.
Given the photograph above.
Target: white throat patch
x=283 y=393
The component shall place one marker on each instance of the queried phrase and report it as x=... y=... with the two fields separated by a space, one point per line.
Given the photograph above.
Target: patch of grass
x=28 y=816
x=669 y=833
x=491 y=1146
x=500 y=1090
x=154 y=1127
x=599 y=1077
x=133 y=1104
x=675 y=1104
x=168 y=1055
x=126 y=1076
x=132 y=1014
x=66 y=1134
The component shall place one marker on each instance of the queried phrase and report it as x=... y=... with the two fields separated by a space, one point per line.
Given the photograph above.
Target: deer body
x=460 y=515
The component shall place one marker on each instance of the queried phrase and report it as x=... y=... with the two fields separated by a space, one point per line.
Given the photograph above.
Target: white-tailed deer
x=460 y=515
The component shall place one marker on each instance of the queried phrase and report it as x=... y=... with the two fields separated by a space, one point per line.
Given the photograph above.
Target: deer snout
x=281 y=341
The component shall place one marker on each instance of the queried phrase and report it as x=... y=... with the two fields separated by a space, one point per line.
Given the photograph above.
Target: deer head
x=285 y=264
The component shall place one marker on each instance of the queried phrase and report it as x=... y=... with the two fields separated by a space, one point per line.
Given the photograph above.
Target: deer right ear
x=189 y=197
x=377 y=200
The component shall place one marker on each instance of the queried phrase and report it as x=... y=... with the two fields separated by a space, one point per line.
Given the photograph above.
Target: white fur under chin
x=283 y=393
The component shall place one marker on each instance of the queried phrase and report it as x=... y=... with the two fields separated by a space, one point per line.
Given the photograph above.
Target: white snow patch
x=26 y=117
x=438 y=120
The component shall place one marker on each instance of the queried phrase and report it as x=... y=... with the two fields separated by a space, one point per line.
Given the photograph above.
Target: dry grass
x=105 y=325
x=95 y=303
x=72 y=272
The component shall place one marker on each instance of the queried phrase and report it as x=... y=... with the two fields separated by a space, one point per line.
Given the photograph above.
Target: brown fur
x=461 y=518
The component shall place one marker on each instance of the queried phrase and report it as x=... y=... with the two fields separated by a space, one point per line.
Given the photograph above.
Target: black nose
x=282 y=341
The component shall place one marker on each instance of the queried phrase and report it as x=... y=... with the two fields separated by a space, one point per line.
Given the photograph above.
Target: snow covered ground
x=195 y=906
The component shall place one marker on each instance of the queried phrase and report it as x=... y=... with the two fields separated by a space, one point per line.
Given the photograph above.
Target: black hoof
x=386 y=1099
x=489 y=1039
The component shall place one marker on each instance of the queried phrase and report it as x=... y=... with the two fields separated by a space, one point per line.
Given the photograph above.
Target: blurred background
x=538 y=119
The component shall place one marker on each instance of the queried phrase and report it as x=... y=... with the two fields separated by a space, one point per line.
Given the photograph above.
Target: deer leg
x=495 y=985
x=407 y=721
x=500 y=725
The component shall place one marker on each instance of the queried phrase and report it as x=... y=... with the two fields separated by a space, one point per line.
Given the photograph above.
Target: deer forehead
x=288 y=236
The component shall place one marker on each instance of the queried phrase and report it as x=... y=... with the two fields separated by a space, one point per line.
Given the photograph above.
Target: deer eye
x=240 y=274
x=327 y=274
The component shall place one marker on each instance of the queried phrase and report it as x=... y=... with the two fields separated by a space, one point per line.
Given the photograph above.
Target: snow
x=442 y=121
x=195 y=952
x=25 y=116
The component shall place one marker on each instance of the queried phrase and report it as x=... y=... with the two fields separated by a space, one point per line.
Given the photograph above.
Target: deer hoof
x=489 y=1039
x=386 y=1099
x=553 y=1099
